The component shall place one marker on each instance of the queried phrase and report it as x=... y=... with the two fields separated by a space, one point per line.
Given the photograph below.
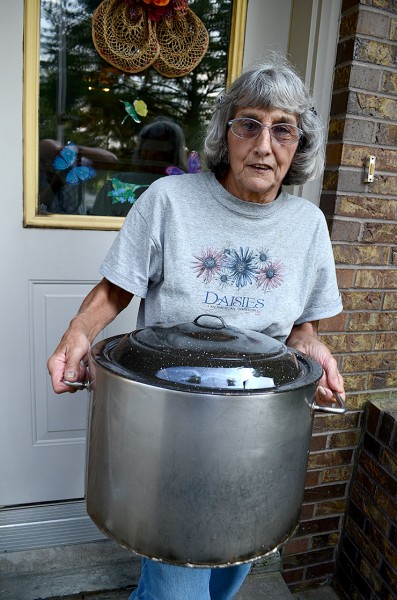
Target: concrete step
x=106 y=571
x=269 y=586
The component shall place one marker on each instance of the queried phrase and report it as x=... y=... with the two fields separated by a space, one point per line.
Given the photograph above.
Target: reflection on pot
x=240 y=378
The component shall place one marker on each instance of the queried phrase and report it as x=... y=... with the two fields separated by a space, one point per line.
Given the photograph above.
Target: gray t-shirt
x=188 y=247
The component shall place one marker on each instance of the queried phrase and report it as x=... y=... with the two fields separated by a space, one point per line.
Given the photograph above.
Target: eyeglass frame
x=269 y=127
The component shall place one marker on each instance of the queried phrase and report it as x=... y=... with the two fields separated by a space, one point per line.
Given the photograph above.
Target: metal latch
x=370 y=170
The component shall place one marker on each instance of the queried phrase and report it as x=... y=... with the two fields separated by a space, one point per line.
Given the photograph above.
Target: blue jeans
x=161 y=581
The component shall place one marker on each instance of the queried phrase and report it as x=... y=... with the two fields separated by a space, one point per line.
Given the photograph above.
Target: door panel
x=46 y=433
x=56 y=420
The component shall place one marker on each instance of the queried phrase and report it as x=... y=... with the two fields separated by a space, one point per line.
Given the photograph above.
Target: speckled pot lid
x=207 y=355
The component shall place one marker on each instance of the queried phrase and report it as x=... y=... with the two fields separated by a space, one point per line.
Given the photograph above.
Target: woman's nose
x=264 y=140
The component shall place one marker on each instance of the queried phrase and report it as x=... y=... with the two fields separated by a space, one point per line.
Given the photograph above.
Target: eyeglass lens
x=251 y=128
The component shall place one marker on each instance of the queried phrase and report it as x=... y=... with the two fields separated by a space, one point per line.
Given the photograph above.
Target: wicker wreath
x=183 y=42
x=128 y=44
x=173 y=45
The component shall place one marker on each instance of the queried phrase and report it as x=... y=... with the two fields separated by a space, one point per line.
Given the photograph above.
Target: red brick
x=377 y=473
x=325 y=492
x=345 y=439
x=320 y=571
x=382 y=380
x=360 y=254
x=370 y=575
x=385 y=502
x=308 y=558
x=385 y=341
x=331 y=507
x=372 y=321
x=355 y=382
x=356 y=401
x=389 y=575
x=366 y=207
x=373 y=418
x=330 y=180
x=361 y=541
x=390 y=301
x=373 y=24
x=318 y=442
x=387 y=551
x=349 y=342
x=389 y=461
x=345 y=278
x=307 y=512
x=364 y=480
x=344 y=53
x=337 y=323
x=356 y=300
x=341 y=80
x=369 y=508
x=373 y=233
x=376 y=278
x=312 y=478
x=336 y=474
x=347 y=231
x=317 y=526
x=293 y=575
x=334 y=153
x=348 y=25
x=295 y=546
x=328 y=539
x=328 y=423
x=326 y=459
x=371 y=361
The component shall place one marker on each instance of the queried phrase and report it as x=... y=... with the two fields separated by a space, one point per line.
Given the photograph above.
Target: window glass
x=105 y=134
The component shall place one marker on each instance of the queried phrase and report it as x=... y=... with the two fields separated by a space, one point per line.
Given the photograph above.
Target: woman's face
x=258 y=165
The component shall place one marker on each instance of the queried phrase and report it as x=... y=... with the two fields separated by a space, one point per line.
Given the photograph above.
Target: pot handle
x=79 y=385
x=220 y=325
x=336 y=410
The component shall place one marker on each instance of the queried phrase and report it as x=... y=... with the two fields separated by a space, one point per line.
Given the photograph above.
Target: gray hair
x=274 y=85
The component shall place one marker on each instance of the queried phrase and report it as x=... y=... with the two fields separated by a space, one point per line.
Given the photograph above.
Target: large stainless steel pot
x=198 y=441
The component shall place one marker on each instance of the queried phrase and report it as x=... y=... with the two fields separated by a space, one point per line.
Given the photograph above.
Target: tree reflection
x=80 y=93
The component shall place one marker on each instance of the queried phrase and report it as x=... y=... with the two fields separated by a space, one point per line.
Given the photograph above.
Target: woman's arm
x=304 y=338
x=100 y=307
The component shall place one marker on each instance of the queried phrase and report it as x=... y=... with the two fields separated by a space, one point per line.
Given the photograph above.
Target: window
x=95 y=136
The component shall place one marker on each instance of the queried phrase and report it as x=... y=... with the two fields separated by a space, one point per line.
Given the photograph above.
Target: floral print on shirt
x=238 y=267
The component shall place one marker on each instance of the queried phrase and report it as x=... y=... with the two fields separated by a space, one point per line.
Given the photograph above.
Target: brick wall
x=363 y=225
x=367 y=556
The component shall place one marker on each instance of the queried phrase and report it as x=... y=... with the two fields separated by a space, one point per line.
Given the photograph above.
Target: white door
x=45 y=274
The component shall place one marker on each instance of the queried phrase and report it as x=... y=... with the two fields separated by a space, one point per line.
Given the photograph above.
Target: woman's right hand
x=103 y=303
x=68 y=361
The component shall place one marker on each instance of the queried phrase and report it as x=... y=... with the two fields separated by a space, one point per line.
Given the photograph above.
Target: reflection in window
x=98 y=147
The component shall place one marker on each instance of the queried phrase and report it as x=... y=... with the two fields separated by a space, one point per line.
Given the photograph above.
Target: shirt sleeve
x=134 y=261
x=323 y=298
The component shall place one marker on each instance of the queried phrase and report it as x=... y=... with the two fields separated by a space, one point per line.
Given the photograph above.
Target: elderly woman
x=229 y=240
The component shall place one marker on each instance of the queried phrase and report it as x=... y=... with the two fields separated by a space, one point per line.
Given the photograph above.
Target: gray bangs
x=271 y=89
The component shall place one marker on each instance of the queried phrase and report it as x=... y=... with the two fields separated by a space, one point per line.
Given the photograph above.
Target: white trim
x=313 y=51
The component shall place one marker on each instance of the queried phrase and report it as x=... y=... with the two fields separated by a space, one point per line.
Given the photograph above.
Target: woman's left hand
x=304 y=338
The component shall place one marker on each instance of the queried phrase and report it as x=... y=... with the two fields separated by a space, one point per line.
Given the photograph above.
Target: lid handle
x=211 y=326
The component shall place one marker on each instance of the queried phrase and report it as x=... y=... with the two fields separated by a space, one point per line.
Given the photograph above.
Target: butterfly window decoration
x=124 y=192
x=193 y=165
x=134 y=110
x=66 y=161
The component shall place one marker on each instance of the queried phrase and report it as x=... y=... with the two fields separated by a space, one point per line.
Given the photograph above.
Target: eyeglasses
x=248 y=129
